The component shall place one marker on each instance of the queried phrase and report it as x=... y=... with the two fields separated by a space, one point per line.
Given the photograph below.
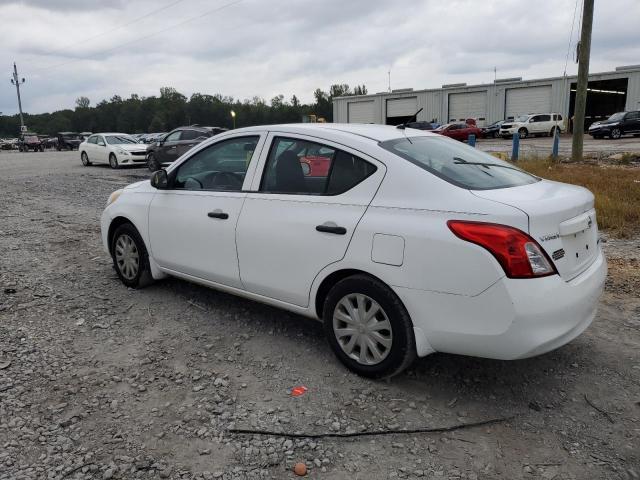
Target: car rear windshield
x=458 y=163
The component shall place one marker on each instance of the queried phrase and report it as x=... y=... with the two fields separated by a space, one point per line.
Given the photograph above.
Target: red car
x=459 y=131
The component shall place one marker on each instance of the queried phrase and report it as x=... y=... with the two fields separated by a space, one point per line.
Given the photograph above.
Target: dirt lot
x=98 y=381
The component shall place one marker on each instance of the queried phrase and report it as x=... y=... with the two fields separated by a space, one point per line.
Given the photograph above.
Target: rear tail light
x=519 y=255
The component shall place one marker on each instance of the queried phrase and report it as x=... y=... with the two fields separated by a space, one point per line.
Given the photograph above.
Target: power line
x=573 y=23
x=106 y=32
x=116 y=47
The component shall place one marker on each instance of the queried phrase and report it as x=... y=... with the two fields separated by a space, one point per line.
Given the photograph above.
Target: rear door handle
x=331 y=229
x=218 y=214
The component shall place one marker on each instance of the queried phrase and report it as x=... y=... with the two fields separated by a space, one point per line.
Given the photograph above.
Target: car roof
x=374 y=132
x=113 y=133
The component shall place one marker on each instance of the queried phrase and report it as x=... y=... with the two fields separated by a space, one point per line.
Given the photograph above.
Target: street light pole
x=583 y=81
x=17 y=82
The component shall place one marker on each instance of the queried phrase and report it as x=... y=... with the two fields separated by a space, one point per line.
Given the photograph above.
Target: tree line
x=172 y=109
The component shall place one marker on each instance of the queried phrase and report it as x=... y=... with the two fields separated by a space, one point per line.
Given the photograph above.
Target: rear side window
x=302 y=167
x=459 y=164
x=544 y=118
x=191 y=135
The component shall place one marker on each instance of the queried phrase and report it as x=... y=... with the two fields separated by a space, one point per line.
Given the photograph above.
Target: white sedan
x=113 y=148
x=401 y=242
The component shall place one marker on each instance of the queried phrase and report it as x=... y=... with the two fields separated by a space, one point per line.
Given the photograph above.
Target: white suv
x=532 y=124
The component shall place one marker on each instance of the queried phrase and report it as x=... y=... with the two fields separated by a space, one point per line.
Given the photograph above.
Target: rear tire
x=130 y=257
x=552 y=133
x=523 y=133
x=113 y=161
x=388 y=331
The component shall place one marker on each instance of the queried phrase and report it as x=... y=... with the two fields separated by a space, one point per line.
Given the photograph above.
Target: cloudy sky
x=243 y=48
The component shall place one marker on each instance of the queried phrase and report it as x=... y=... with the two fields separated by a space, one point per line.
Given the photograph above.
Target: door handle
x=327 y=228
x=218 y=214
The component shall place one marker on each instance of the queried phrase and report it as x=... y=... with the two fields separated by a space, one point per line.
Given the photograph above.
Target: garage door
x=360 y=112
x=402 y=107
x=521 y=101
x=468 y=105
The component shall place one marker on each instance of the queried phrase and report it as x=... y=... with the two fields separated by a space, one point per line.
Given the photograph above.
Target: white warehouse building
x=608 y=93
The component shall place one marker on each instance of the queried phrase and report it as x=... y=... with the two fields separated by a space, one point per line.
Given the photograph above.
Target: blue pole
x=556 y=144
x=516 y=147
x=471 y=140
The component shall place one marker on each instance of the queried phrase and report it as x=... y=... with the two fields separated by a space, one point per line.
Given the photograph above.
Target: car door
x=102 y=150
x=192 y=224
x=631 y=123
x=293 y=225
x=90 y=147
x=189 y=139
x=168 y=149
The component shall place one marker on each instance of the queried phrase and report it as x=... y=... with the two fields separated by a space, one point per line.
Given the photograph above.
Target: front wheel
x=616 y=133
x=113 y=161
x=85 y=159
x=130 y=257
x=523 y=133
x=368 y=327
x=152 y=163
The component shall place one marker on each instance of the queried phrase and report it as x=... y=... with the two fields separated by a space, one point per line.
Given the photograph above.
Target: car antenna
x=404 y=125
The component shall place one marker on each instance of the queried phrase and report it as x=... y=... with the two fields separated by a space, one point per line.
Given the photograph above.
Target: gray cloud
x=292 y=47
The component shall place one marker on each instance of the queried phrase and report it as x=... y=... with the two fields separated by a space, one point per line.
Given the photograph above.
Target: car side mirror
x=160 y=179
x=158 y=144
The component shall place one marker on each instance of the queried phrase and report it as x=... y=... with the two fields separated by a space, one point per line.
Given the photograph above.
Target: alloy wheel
x=615 y=133
x=127 y=256
x=362 y=329
x=84 y=158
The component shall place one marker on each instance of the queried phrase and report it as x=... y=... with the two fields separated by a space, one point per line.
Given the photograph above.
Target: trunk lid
x=562 y=219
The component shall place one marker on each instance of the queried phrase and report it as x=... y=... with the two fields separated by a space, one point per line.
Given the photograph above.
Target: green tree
x=83 y=102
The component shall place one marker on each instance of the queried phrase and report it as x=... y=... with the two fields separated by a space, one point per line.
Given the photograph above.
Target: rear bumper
x=511 y=319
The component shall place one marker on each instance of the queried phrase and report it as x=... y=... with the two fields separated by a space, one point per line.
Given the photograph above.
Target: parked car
x=174 y=144
x=30 y=141
x=533 y=124
x=459 y=131
x=412 y=243
x=493 y=130
x=68 y=141
x=617 y=125
x=50 y=142
x=113 y=148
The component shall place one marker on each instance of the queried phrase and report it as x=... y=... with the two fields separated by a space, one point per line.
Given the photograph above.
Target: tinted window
x=544 y=118
x=632 y=116
x=192 y=135
x=458 y=164
x=92 y=139
x=304 y=167
x=173 y=137
x=222 y=166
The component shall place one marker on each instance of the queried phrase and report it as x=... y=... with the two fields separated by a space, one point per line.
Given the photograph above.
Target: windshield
x=522 y=118
x=617 y=116
x=458 y=164
x=32 y=138
x=71 y=136
x=118 y=139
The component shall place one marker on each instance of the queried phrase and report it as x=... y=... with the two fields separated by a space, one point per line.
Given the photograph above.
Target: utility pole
x=17 y=81
x=583 y=80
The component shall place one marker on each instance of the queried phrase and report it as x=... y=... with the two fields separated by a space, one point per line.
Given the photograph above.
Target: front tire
x=152 y=163
x=616 y=133
x=85 y=159
x=130 y=257
x=523 y=133
x=368 y=328
x=113 y=161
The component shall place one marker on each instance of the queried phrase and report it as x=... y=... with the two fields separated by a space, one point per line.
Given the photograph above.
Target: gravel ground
x=98 y=381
